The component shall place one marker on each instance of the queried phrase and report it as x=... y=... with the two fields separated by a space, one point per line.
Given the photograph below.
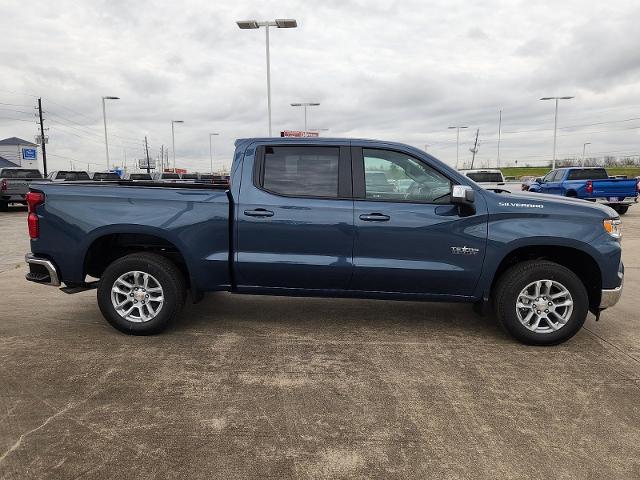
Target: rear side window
x=170 y=176
x=15 y=173
x=485 y=177
x=588 y=174
x=301 y=171
x=189 y=176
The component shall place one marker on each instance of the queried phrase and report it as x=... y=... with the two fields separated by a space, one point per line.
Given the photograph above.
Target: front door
x=295 y=218
x=409 y=238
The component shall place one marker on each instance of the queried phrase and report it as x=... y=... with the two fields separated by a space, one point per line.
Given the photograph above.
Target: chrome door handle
x=259 y=212
x=375 y=217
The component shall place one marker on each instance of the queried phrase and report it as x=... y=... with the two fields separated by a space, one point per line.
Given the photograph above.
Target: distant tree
x=610 y=161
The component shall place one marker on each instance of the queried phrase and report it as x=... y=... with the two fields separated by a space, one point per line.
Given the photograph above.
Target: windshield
x=485 y=177
x=19 y=173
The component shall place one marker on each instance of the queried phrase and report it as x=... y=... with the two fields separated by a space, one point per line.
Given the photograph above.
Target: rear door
x=295 y=218
x=412 y=240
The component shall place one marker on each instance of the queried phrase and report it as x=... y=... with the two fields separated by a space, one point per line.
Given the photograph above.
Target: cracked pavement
x=269 y=387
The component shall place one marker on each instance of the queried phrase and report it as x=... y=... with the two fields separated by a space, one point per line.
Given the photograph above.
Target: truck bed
x=190 y=218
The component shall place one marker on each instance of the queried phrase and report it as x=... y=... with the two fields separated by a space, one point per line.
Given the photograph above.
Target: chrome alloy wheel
x=137 y=296
x=544 y=306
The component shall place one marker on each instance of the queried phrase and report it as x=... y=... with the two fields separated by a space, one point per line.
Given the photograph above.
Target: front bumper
x=610 y=297
x=42 y=270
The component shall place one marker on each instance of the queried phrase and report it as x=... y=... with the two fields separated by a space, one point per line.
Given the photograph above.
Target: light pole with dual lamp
x=254 y=24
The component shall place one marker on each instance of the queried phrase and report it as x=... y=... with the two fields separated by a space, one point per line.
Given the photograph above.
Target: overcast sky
x=394 y=70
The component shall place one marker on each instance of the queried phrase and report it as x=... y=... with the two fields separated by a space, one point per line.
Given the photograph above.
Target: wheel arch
x=111 y=243
x=575 y=259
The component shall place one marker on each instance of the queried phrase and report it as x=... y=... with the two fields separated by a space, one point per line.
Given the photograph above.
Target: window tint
x=170 y=176
x=398 y=177
x=16 y=173
x=588 y=174
x=140 y=176
x=106 y=176
x=189 y=176
x=302 y=171
x=550 y=176
x=72 y=176
x=485 y=177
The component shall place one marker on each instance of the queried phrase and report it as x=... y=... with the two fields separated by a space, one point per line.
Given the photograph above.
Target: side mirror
x=539 y=180
x=464 y=196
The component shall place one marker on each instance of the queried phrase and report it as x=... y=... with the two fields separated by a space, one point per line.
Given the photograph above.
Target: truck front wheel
x=621 y=209
x=141 y=293
x=541 y=302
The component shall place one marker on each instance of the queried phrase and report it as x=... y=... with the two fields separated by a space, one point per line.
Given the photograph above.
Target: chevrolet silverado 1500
x=300 y=217
x=590 y=183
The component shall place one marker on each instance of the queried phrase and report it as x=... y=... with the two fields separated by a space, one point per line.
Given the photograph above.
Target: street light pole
x=254 y=24
x=584 y=146
x=457 y=142
x=499 y=135
x=555 y=126
x=173 y=141
x=211 y=149
x=305 y=105
x=104 y=119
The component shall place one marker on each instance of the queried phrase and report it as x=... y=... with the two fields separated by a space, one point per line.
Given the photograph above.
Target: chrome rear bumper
x=41 y=271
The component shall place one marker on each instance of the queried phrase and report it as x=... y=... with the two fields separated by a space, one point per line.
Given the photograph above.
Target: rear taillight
x=589 y=186
x=33 y=200
x=3 y=185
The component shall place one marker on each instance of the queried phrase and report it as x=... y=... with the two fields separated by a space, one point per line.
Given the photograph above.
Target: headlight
x=613 y=227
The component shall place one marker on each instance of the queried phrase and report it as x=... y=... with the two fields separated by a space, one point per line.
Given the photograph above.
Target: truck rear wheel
x=4 y=206
x=141 y=293
x=621 y=209
x=541 y=302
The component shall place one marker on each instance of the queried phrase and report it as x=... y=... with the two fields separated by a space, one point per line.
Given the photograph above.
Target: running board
x=80 y=288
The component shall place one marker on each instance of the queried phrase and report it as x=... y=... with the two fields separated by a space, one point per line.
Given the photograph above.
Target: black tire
x=516 y=278
x=167 y=275
x=572 y=194
x=4 y=206
x=621 y=209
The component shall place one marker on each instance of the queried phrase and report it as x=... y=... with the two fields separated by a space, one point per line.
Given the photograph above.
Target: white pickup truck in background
x=492 y=179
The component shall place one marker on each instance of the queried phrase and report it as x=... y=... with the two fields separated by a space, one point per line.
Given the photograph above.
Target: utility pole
x=162 y=157
x=474 y=150
x=458 y=127
x=146 y=148
x=499 y=135
x=42 y=142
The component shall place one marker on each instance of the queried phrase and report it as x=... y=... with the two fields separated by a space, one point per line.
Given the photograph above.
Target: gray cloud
x=399 y=70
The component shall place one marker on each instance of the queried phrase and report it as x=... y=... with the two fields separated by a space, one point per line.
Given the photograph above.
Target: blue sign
x=28 y=153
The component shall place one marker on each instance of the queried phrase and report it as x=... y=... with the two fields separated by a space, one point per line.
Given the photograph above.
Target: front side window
x=301 y=171
x=399 y=177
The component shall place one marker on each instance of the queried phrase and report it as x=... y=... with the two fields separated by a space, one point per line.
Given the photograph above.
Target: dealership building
x=16 y=152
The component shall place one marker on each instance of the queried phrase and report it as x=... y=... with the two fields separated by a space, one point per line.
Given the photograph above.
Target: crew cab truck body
x=298 y=219
x=590 y=183
x=14 y=185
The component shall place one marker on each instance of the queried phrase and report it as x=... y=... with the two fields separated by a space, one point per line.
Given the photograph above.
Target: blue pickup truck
x=590 y=183
x=313 y=217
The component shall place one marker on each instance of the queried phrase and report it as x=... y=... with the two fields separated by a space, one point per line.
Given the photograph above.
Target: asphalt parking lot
x=265 y=387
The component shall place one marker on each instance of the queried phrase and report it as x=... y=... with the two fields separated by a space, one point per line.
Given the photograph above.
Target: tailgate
x=621 y=188
x=16 y=186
